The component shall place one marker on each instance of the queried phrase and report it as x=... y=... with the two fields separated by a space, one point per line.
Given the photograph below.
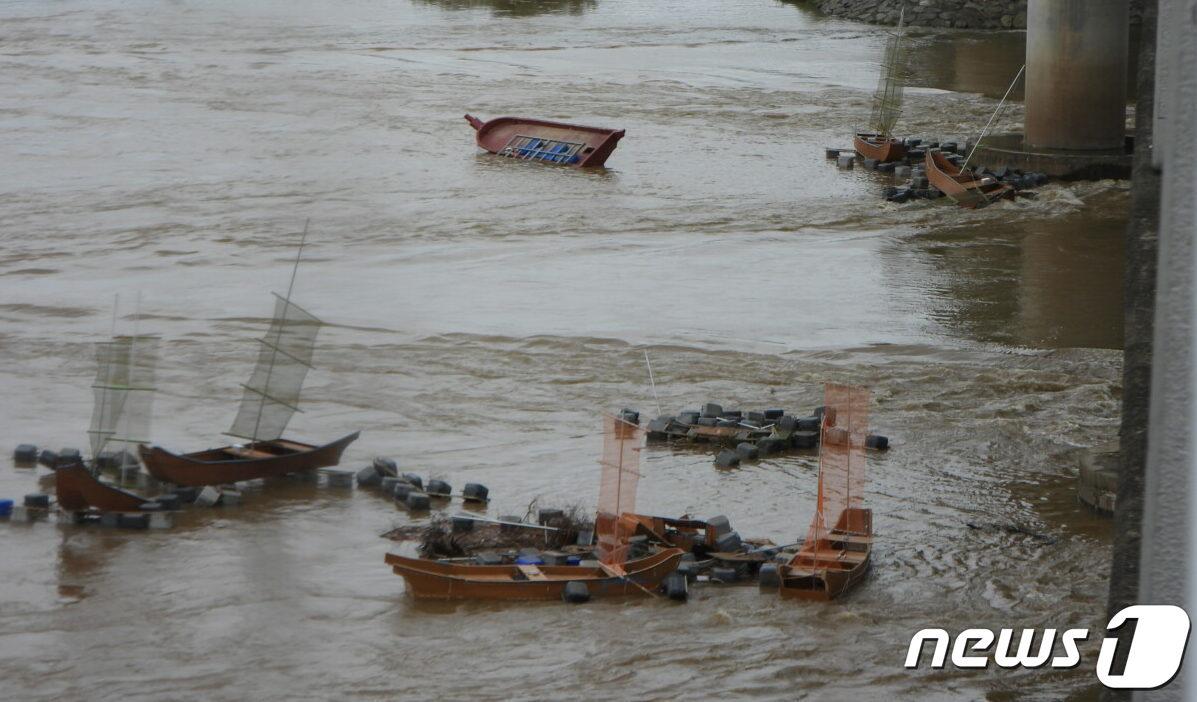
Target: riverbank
x=959 y=14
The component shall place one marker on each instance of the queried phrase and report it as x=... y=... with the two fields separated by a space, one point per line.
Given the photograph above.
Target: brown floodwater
x=484 y=312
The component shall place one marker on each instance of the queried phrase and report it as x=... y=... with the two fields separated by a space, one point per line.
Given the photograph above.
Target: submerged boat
x=880 y=144
x=964 y=188
x=429 y=579
x=837 y=550
x=542 y=140
x=613 y=573
x=79 y=490
x=879 y=147
x=270 y=400
x=124 y=391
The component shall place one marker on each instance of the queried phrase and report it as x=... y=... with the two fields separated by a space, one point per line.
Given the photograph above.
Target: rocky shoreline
x=958 y=14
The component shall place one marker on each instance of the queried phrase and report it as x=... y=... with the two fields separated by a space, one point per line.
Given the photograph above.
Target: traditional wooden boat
x=229 y=464
x=836 y=555
x=880 y=144
x=835 y=562
x=614 y=573
x=270 y=400
x=124 y=392
x=550 y=142
x=965 y=189
x=882 y=149
x=427 y=579
x=79 y=490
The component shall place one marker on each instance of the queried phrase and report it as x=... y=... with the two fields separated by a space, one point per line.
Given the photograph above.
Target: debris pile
x=909 y=174
x=558 y=537
x=745 y=435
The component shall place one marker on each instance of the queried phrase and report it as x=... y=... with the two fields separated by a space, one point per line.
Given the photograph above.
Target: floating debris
x=746 y=436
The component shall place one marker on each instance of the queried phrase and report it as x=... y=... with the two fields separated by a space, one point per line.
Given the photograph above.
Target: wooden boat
x=835 y=562
x=965 y=189
x=882 y=149
x=836 y=555
x=615 y=523
x=550 y=142
x=427 y=579
x=880 y=144
x=123 y=391
x=229 y=464
x=270 y=400
x=78 y=490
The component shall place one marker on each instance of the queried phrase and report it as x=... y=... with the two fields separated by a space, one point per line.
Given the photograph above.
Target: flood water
x=484 y=312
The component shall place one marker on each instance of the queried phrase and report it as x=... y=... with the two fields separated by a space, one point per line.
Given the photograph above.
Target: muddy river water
x=483 y=312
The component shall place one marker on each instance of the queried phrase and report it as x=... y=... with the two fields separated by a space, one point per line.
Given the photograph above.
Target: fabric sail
x=841 y=468
x=887 y=99
x=123 y=390
x=620 y=475
x=271 y=395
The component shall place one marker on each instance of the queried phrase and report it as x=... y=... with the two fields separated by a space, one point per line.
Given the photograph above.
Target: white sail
x=124 y=391
x=271 y=396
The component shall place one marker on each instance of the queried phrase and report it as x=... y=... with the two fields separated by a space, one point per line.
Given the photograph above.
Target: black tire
x=677 y=587
x=37 y=500
x=877 y=441
x=769 y=577
x=25 y=454
x=414 y=480
x=475 y=492
x=368 y=476
x=747 y=451
x=724 y=575
x=401 y=491
x=729 y=542
x=418 y=502
x=575 y=592
x=711 y=409
x=727 y=459
x=386 y=467
x=48 y=458
x=439 y=488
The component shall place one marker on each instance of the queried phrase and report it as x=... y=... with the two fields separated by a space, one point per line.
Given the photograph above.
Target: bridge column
x=1076 y=74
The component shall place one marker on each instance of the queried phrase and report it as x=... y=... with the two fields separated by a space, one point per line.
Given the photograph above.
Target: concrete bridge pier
x=1077 y=53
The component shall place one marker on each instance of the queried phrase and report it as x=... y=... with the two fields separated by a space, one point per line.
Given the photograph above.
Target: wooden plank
x=248 y=452
x=531 y=572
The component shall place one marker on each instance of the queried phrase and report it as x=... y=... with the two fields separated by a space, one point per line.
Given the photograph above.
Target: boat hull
x=879 y=148
x=427 y=579
x=965 y=189
x=597 y=143
x=78 y=490
x=230 y=464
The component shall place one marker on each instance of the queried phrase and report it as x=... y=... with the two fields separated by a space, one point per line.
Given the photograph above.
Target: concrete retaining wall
x=961 y=14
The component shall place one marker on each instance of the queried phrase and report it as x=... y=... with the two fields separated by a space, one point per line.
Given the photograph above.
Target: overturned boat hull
x=879 y=148
x=428 y=579
x=229 y=464
x=551 y=142
x=78 y=490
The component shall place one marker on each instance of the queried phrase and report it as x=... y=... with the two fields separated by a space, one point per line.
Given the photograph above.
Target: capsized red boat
x=551 y=142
